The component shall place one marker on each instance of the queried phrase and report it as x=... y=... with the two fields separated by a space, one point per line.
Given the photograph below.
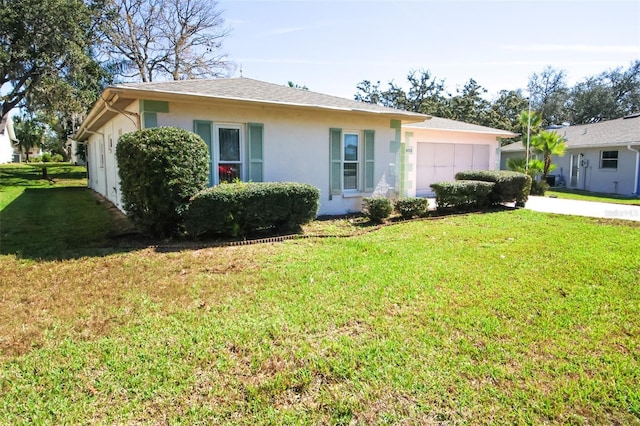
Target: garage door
x=437 y=162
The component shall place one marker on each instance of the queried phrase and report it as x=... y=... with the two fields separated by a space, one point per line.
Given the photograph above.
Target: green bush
x=160 y=170
x=462 y=194
x=509 y=186
x=411 y=206
x=57 y=158
x=238 y=208
x=46 y=157
x=377 y=209
x=539 y=187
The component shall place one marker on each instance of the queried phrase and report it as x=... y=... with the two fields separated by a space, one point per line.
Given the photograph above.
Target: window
x=350 y=158
x=229 y=159
x=609 y=159
x=226 y=143
x=351 y=161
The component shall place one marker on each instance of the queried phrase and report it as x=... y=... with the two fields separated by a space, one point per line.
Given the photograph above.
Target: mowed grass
x=509 y=317
x=576 y=194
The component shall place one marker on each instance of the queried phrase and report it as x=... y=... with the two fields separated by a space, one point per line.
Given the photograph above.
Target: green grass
x=509 y=317
x=576 y=194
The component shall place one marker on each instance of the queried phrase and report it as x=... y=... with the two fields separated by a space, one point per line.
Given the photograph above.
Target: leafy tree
x=29 y=133
x=181 y=39
x=425 y=94
x=609 y=95
x=296 y=86
x=548 y=143
x=549 y=95
x=41 y=41
x=505 y=111
x=469 y=105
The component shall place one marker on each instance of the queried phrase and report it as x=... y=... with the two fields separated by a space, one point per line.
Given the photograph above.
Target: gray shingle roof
x=246 y=89
x=621 y=131
x=439 y=123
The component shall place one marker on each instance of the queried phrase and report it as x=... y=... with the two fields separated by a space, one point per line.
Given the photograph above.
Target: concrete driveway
x=583 y=208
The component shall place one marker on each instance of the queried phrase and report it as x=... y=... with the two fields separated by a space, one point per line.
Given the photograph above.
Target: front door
x=575 y=171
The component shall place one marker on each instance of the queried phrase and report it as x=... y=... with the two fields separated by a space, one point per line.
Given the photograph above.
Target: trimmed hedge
x=462 y=194
x=411 y=206
x=509 y=186
x=234 y=209
x=160 y=170
x=377 y=209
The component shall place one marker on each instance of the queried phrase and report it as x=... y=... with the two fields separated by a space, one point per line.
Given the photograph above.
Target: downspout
x=637 y=175
x=136 y=122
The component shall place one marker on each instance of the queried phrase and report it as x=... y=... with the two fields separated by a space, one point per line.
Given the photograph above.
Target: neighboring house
x=439 y=148
x=600 y=157
x=7 y=140
x=259 y=131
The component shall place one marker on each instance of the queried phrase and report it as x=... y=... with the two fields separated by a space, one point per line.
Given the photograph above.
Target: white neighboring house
x=258 y=131
x=7 y=140
x=599 y=157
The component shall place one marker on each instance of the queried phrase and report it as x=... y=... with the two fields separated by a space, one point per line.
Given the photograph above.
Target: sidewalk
x=583 y=208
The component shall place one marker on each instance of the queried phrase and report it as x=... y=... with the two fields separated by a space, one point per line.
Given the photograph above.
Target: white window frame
x=359 y=162
x=602 y=160
x=216 y=153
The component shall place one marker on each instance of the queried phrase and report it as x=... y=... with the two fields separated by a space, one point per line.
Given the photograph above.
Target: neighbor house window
x=609 y=159
x=351 y=161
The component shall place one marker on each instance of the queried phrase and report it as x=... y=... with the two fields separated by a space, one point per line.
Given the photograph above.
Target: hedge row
x=509 y=186
x=379 y=208
x=238 y=208
x=462 y=194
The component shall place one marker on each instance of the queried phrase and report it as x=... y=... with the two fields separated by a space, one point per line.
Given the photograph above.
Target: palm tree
x=548 y=143
x=28 y=133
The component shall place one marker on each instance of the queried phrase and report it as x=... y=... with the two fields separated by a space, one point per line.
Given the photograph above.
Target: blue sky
x=330 y=46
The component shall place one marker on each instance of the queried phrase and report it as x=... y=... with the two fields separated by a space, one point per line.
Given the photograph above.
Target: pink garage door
x=437 y=162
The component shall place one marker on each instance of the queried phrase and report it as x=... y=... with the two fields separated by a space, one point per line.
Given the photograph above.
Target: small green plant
x=377 y=209
x=57 y=158
x=46 y=157
x=411 y=206
x=160 y=170
x=539 y=187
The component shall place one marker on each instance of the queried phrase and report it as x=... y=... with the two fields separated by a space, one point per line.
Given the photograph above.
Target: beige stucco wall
x=295 y=146
x=101 y=160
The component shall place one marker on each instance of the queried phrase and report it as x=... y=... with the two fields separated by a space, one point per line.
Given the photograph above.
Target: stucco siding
x=295 y=146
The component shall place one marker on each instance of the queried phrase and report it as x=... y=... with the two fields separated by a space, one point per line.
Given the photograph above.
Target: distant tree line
x=608 y=95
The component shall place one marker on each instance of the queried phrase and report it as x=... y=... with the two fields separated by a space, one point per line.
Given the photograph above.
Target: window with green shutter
x=369 y=162
x=204 y=129
x=335 y=153
x=256 y=138
x=352 y=165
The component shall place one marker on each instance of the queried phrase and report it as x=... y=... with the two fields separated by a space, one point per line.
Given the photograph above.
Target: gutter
x=635 y=181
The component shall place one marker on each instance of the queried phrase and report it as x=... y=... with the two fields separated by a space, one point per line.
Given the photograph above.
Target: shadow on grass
x=60 y=223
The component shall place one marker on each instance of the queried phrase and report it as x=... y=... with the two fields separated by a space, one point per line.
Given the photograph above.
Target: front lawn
x=576 y=194
x=509 y=317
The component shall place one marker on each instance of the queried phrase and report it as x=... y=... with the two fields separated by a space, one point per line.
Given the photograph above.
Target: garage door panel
x=463 y=157
x=480 y=157
x=437 y=162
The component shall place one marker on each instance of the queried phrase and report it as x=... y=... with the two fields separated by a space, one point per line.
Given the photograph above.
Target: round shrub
x=411 y=206
x=377 y=209
x=160 y=170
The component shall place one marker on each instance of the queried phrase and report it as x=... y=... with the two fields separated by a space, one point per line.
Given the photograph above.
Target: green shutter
x=369 y=163
x=150 y=119
x=204 y=130
x=335 y=153
x=256 y=138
